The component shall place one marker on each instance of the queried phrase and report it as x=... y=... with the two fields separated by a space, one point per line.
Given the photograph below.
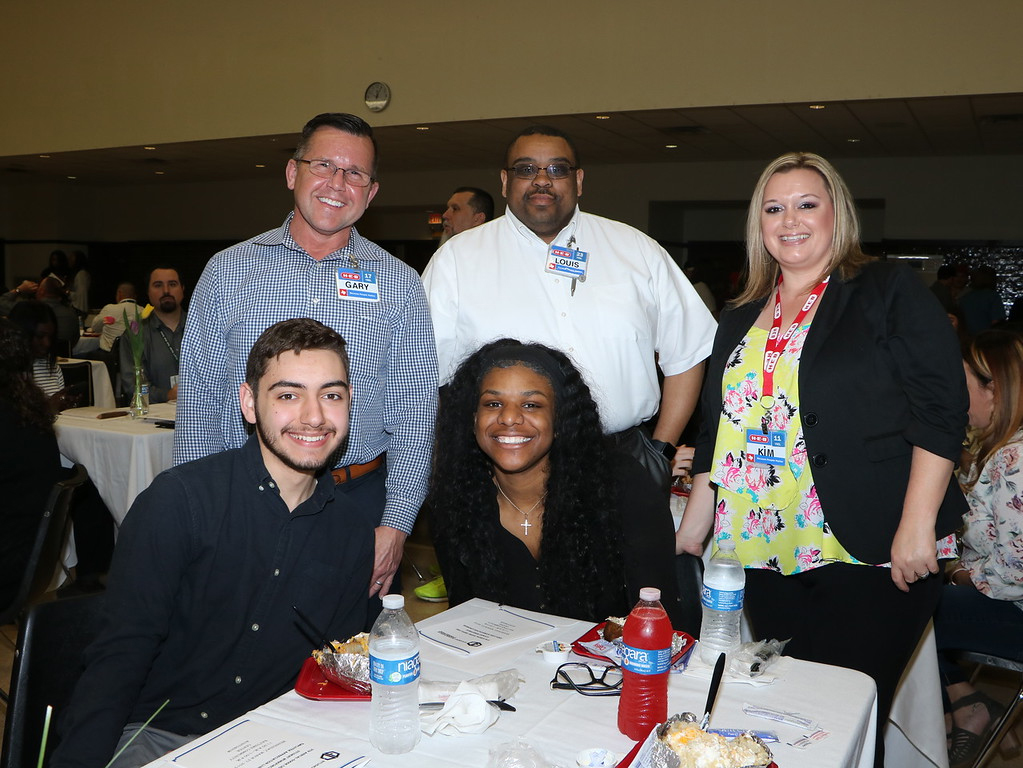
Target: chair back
x=79 y=375
x=48 y=663
x=114 y=369
x=48 y=546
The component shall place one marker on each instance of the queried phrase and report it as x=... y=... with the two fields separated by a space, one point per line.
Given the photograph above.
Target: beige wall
x=105 y=74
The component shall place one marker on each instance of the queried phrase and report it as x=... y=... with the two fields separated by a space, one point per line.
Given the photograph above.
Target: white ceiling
x=943 y=126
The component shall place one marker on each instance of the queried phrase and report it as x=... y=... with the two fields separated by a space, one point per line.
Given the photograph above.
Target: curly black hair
x=17 y=389
x=580 y=555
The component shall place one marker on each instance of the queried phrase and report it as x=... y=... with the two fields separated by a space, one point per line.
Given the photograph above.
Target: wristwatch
x=667 y=450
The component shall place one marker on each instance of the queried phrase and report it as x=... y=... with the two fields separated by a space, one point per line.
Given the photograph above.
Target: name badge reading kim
x=358 y=285
x=765 y=448
x=567 y=262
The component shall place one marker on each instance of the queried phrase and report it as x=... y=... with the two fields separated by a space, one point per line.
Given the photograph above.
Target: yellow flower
x=147 y=311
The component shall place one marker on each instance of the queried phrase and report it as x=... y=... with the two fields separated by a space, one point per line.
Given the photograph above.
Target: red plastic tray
x=313 y=685
x=595 y=632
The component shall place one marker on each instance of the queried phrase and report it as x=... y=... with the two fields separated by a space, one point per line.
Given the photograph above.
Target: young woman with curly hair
x=530 y=505
x=29 y=458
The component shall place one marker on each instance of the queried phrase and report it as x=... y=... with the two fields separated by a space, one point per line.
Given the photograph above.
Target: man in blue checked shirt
x=317 y=265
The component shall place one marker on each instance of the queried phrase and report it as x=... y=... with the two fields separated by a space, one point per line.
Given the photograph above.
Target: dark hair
x=28 y=315
x=945 y=271
x=165 y=267
x=342 y=121
x=17 y=388
x=580 y=546
x=297 y=335
x=545 y=130
x=481 y=201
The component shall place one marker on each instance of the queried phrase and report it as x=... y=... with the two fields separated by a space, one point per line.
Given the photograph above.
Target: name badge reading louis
x=567 y=262
x=358 y=285
x=765 y=448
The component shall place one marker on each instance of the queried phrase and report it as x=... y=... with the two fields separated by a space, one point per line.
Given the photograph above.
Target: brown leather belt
x=353 y=471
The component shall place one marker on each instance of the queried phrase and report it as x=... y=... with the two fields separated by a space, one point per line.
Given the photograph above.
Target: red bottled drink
x=646 y=658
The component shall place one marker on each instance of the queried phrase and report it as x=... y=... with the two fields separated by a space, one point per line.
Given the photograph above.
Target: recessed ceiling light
x=422 y=127
x=671 y=146
x=158 y=173
x=45 y=157
x=260 y=165
x=602 y=117
x=72 y=177
x=149 y=148
x=817 y=106
x=853 y=141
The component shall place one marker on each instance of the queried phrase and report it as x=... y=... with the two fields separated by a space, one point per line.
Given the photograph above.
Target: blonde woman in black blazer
x=881 y=404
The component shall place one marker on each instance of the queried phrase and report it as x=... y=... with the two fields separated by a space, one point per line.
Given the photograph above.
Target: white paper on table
x=495 y=628
x=255 y=745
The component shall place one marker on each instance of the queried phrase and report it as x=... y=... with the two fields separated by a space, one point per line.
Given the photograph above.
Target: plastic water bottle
x=724 y=583
x=394 y=676
x=646 y=657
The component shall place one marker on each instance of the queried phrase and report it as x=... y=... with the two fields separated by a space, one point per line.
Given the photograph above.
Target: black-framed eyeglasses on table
x=589 y=680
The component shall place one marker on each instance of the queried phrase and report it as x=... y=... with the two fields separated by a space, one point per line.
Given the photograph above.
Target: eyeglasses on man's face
x=326 y=170
x=528 y=171
x=597 y=680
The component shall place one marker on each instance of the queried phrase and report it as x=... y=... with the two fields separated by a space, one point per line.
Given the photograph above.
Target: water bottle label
x=644 y=662
x=393 y=671
x=722 y=599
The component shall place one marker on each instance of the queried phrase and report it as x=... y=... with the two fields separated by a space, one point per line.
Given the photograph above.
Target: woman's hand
x=683 y=461
x=914 y=554
x=697 y=518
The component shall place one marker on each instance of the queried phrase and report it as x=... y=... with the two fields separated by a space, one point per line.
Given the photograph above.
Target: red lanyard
x=776 y=342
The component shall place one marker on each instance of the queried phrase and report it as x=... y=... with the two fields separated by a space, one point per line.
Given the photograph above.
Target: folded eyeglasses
x=596 y=680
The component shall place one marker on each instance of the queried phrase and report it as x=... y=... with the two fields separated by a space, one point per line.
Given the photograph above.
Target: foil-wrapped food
x=683 y=744
x=346 y=664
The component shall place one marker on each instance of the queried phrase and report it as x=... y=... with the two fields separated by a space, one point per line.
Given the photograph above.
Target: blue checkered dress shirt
x=250 y=286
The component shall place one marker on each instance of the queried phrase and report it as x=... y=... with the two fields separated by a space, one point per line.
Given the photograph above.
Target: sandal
x=964 y=744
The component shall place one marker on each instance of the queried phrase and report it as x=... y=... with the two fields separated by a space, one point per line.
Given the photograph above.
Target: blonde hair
x=846 y=254
x=996 y=359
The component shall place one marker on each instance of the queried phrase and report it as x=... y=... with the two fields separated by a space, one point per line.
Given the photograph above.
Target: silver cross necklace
x=526 y=525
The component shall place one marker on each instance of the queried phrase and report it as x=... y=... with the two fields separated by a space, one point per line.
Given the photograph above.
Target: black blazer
x=880 y=373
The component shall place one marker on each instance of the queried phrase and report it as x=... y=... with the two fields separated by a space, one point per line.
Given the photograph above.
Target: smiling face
x=544 y=205
x=797 y=221
x=326 y=209
x=515 y=420
x=300 y=411
x=982 y=399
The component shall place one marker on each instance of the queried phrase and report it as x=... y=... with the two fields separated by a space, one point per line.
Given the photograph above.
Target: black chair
x=47 y=548
x=1005 y=723
x=46 y=668
x=78 y=375
x=113 y=363
x=689 y=575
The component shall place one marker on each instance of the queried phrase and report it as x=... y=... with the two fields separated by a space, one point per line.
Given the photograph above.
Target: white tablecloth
x=85 y=344
x=122 y=455
x=102 y=391
x=561 y=723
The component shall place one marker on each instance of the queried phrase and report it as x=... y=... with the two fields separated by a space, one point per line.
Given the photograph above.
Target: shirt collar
x=562 y=237
x=282 y=236
x=259 y=475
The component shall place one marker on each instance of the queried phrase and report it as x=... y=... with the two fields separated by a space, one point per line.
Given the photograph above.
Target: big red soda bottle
x=646 y=657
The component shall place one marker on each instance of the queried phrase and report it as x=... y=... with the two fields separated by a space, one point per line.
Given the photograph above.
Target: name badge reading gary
x=358 y=285
x=765 y=448
x=567 y=262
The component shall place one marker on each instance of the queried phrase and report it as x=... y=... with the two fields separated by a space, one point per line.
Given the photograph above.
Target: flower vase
x=139 y=405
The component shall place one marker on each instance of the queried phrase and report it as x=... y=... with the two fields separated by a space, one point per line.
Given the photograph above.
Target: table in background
x=561 y=723
x=87 y=342
x=122 y=454
x=102 y=390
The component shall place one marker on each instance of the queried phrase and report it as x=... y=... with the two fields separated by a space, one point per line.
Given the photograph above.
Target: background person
x=518 y=513
x=468 y=207
x=828 y=455
x=109 y=321
x=981 y=607
x=39 y=326
x=162 y=333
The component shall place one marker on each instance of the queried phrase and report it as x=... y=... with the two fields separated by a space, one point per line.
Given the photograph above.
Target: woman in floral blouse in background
x=982 y=605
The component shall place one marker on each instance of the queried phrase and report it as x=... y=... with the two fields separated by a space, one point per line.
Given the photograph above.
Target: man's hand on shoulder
x=390 y=545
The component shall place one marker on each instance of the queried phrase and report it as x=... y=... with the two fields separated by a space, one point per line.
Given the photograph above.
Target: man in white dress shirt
x=601 y=291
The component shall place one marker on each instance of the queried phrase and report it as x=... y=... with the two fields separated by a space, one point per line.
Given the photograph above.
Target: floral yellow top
x=771 y=512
